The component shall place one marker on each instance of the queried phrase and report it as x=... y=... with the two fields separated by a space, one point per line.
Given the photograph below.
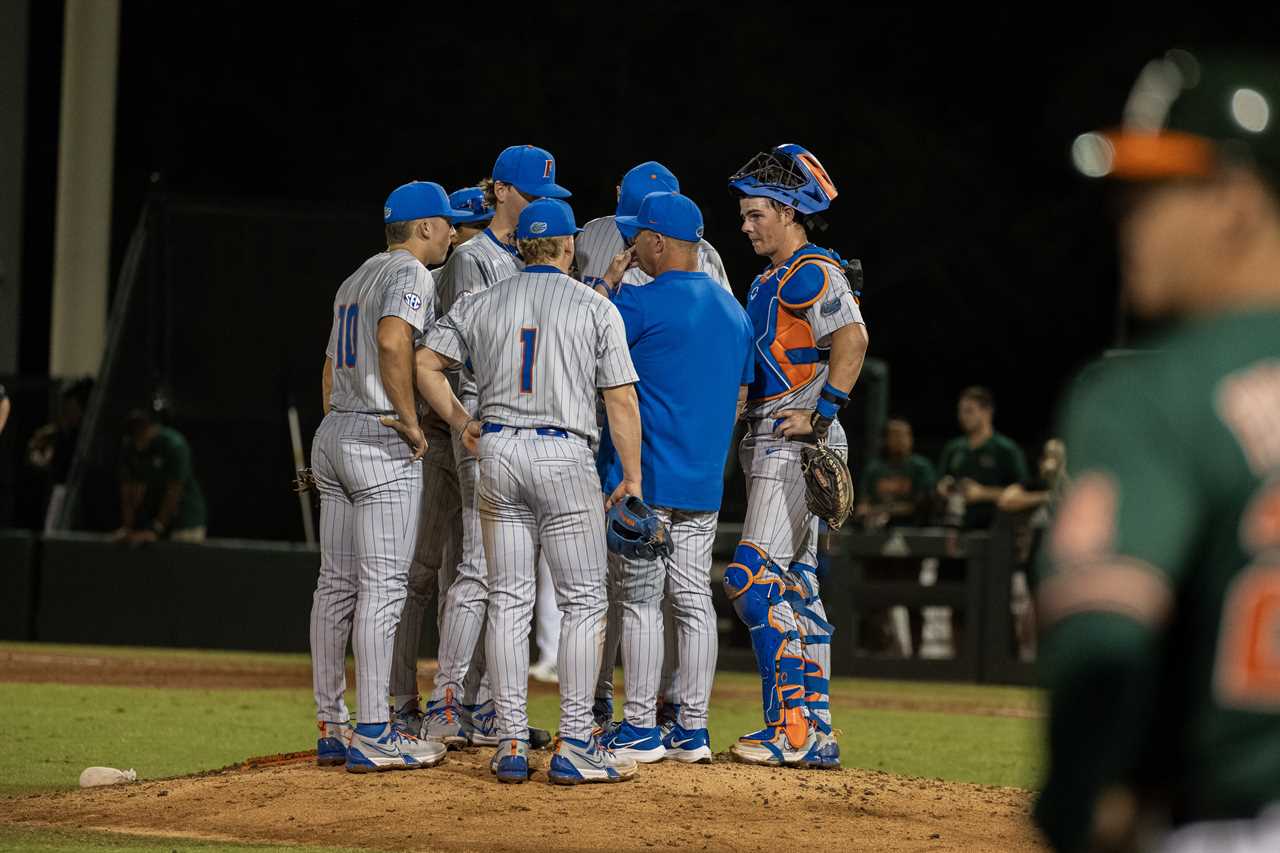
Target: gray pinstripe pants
x=439 y=545
x=636 y=588
x=370 y=491
x=464 y=587
x=541 y=496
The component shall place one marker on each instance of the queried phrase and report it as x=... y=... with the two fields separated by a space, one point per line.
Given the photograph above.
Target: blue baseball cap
x=546 y=217
x=667 y=213
x=472 y=199
x=531 y=170
x=648 y=177
x=419 y=200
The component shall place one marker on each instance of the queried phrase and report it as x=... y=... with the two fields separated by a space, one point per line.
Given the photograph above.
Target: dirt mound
x=459 y=806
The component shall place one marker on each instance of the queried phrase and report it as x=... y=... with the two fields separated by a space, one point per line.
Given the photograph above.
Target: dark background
x=987 y=259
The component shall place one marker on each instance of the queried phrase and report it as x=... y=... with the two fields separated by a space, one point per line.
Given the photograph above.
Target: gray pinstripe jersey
x=474 y=266
x=600 y=240
x=390 y=284
x=834 y=310
x=540 y=344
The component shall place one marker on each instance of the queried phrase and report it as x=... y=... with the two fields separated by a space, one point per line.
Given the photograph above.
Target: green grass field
x=968 y=733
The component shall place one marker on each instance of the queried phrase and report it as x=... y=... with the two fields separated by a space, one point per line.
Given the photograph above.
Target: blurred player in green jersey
x=1161 y=607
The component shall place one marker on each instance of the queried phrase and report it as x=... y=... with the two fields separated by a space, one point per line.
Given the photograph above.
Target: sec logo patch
x=414 y=300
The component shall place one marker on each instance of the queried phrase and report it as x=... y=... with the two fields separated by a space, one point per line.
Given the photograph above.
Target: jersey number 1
x=345 y=355
x=528 y=351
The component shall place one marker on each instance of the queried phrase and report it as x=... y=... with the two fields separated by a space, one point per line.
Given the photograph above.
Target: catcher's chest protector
x=787 y=356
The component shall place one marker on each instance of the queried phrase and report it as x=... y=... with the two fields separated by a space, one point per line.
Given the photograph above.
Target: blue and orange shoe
x=443 y=722
x=825 y=753
x=331 y=748
x=480 y=723
x=578 y=761
x=510 y=762
x=392 y=749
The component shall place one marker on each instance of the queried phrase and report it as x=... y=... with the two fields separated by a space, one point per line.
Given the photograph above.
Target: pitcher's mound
x=459 y=806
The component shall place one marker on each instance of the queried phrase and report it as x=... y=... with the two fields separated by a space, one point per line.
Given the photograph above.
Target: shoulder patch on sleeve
x=805 y=283
x=414 y=300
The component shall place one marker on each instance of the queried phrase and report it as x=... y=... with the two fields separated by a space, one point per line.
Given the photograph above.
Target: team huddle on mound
x=564 y=399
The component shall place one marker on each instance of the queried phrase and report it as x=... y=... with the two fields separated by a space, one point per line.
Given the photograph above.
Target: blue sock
x=371 y=729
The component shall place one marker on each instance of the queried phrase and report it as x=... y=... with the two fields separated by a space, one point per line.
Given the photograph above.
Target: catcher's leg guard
x=815 y=639
x=754 y=584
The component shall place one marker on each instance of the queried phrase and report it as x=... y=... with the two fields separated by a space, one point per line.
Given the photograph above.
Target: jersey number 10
x=345 y=352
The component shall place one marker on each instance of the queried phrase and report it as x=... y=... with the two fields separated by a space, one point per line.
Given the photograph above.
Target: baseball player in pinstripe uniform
x=370 y=481
x=474 y=200
x=810 y=342
x=458 y=712
x=541 y=346
x=603 y=238
x=679 y=318
x=440 y=522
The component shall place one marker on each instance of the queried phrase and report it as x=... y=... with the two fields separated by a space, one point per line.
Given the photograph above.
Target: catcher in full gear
x=810 y=342
x=1160 y=646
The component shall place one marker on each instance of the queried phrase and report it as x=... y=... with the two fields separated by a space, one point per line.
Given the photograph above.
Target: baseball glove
x=828 y=484
x=306 y=482
x=634 y=530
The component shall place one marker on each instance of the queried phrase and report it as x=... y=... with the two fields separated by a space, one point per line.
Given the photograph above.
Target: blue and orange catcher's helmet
x=788 y=174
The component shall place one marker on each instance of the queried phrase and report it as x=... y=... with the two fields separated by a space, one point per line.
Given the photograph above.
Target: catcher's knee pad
x=802 y=593
x=755 y=585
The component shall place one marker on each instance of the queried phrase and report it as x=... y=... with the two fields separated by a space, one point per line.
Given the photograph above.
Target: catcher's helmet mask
x=789 y=175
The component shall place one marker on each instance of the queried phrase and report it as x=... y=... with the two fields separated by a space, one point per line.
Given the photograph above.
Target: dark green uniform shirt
x=995 y=462
x=886 y=481
x=166 y=458
x=1168 y=541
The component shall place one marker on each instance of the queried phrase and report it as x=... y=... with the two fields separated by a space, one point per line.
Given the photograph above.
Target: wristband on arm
x=830 y=401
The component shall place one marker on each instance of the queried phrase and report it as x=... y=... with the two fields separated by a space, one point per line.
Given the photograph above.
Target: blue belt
x=549 y=431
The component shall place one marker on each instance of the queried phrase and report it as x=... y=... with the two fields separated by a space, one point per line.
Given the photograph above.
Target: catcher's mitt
x=636 y=531
x=828 y=484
